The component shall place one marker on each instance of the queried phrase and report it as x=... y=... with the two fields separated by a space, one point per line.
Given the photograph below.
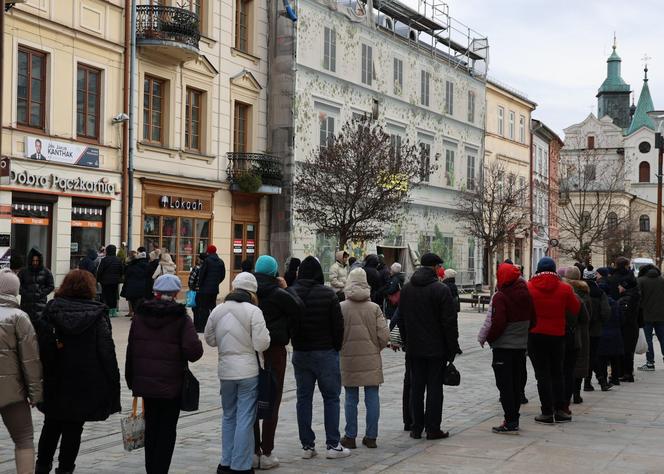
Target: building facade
x=342 y=60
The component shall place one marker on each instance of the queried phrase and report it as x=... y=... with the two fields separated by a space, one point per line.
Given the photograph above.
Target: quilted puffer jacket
x=20 y=367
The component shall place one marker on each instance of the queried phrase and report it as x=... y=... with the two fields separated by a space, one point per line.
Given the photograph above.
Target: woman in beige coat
x=365 y=335
x=20 y=372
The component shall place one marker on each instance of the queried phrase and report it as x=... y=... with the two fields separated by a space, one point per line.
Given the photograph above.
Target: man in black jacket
x=431 y=334
x=374 y=278
x=213 y=272
x=317 y=341
x=281 y=310
x=109 y=276
x=36 y=284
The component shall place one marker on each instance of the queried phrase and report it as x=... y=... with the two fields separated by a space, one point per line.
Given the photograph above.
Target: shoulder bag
x=190 y=386
x=267 y=391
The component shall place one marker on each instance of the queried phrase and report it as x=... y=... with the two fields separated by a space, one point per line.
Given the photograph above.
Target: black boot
x=64 y=471
x=577 y=398
x=587 y=385
x=41 y=469
x=606 y=386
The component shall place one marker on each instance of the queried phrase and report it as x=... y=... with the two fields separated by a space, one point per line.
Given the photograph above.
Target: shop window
x=87 y=102
x=182 y=237
x=245 y=242
x=87 y=231
x=153 y=107
x=31 y=227
x=31 y=93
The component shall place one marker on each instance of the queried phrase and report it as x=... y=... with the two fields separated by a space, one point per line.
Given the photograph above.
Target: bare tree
x=494 y=211
x=358 y=182
x=633 y=237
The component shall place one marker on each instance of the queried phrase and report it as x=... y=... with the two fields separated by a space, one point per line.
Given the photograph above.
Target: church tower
x=613 y=95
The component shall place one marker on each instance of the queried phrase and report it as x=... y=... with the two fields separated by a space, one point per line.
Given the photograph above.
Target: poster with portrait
x=44 y=149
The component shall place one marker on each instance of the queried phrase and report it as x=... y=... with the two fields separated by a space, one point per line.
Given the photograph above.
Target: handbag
x=133 y=428
x=267 y=391
x=190 y=391
x=394 y=298
x=451 y=376
x=641 y=344
x=191 y=299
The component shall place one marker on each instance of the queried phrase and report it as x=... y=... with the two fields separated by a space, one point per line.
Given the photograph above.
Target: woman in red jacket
x=553 y=299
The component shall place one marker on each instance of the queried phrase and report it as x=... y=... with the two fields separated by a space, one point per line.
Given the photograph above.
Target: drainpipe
x=132 y=126
x=125 y=125
x=532 y=188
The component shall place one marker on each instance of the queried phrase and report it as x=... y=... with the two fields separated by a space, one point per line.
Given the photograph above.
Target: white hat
x=167 y=284
x=9 y=282
x=245 y=281
x=449 y=273
x=396 y=268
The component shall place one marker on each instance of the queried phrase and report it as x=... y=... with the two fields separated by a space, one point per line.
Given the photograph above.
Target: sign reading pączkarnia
x=43 y=149
x=53 y=181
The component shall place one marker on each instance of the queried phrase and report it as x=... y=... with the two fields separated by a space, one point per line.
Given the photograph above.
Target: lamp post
x=658 y=118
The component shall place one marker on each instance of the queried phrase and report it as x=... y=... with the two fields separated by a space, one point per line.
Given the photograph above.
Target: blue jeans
x=322 y=367
x=372 y=404
x=659 y=330
x=238 y=400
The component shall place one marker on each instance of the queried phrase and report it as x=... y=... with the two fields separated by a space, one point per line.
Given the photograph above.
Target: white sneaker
x=268 y=462
x=308 y=452
x=256 y=462
x=336 y=452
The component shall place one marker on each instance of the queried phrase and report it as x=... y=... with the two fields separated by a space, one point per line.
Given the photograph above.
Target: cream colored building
x=508 y=141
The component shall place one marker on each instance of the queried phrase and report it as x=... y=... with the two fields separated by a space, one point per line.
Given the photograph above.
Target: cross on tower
x=645 y=60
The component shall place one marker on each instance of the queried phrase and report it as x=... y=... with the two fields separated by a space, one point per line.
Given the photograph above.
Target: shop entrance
x=31 y=227
x=246 y=219
x=87 y=231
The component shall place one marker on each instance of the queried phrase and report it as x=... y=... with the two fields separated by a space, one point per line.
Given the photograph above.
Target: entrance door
x=31 y=227
x=245 y=243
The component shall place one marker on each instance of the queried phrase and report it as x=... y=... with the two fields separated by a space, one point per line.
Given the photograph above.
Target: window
x=471 y=255
x=644 y=172
x=31 y=93
x=330 y=50
x=395 y=146
x=87 y=102
x=326 y=130
x=242 y=17
x=449 y=167
x=470 y=172
x=424 y=88
x=195 y=7
x=367 y=64
x=425 y=161
x=522 y=188
x=511 y=126
x=644 y=223
x=192 y=124
x=447 y=253
x=471 y=106
x=153 y=106
x=182 y=237
x=591 y=142
x=612 y=221
x=398 y=76
x=522 y=129
x=590 y=173
x=245 y=235
x=241 y=117
x=501 y=121
x=585 y=220
x=449 y=97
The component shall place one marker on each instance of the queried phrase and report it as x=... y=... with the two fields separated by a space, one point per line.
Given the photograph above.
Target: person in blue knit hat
x=281 y=311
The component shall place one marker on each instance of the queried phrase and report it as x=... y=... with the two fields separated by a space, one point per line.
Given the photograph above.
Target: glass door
x=245 y=245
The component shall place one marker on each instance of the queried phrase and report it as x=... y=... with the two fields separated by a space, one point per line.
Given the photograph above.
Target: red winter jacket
x=553 y=299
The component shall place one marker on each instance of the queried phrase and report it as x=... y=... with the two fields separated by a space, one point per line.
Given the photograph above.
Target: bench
x=476 y=300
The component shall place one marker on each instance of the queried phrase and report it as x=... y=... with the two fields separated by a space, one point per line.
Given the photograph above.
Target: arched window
x=644 y=223
x=644 y=172
x=612 y=221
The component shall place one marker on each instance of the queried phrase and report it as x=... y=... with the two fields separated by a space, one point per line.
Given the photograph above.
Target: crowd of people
x=59 y=354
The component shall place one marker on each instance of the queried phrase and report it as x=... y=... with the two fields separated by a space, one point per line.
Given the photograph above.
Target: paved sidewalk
x=617 y=431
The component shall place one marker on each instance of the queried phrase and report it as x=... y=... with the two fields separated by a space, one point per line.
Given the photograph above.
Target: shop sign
x=88 y=224
x=4 y=169
x=54 y=181
x=237 y=246
x=172 y=202
x=251 y=246
x=43 y=149
x=30 y=221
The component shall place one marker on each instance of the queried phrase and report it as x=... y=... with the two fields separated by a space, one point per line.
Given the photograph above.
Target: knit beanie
x=573 y=273
x=267 y=265
x=9 y=282
x=546 y=264
x=395 y=268
x=211 y=249
x=449 y=274
x=604 y=271
x=589 y=274
x=245 y=281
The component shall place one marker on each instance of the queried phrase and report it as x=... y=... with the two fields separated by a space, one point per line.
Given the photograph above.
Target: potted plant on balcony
x=248 y=181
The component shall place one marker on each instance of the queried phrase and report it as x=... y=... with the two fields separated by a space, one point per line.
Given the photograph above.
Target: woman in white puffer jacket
x=237 y=328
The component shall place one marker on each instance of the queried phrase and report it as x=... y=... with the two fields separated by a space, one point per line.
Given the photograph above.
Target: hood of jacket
x=371 y=261
x=593 y=289
x=8 y=301
x=294 y=264
x=653 y=272
x=167 y=259
x=159 y=313
x=111 y=250
x=578 y=286
x=266 y=284
x=339 y=257
x=310 y=269
x=357 y=288
x=136 y=260
x=424 y=276
x=91 y=254
x=74 y=316
x=546 y=281
x=34 y=251
x=507 y=274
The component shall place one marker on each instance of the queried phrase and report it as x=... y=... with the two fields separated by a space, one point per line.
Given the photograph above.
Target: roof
x=541 y=128
x=614 y=81
x=645 y=105
x=511 y=91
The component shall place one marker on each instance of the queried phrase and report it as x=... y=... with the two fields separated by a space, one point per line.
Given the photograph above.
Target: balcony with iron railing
x=170 y=32
x=254 y=173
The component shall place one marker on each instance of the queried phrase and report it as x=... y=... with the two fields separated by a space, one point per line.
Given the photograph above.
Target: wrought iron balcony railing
x=267 y=167
x=160 y=23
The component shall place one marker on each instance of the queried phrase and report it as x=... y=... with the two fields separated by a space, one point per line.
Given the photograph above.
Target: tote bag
x=267 y=391
x=133 y=428
x=641 y=344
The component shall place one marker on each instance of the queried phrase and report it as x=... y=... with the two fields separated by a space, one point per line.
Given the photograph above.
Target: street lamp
x=658 y=118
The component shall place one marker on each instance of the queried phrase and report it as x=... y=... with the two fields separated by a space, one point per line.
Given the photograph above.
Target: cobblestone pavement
x=616 y=431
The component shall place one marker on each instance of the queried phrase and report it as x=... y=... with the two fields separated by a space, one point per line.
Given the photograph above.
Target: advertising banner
x=43 y=149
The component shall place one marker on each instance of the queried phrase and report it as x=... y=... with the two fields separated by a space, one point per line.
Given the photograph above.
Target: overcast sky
x=555 y=52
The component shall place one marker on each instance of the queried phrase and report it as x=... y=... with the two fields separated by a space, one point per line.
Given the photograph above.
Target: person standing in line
x=553 y=299
x=166 y=266
x=109 y=276
x=317 y=341
x=36 y=284
x=611 y=350
x=291 y=273
x=339 y=273
x=600 y=313
x=16 y=263
x=621 y=272
x=153 y=263
x=430 y=331
x=449 y=279
x=512 y=315
x=365 y=336
x=237 y=328
x=123 y=254
x=135 y=280
x=577 y=368
x=282 y=311
x=374 y=278
x=383 y=269
x=20 y=372
x=194 y=285
x=629 y=315
x=88 y=262
x=81 y=376
x=651 y=284
x=162 y=339
x=213 y=272
x=396 y=282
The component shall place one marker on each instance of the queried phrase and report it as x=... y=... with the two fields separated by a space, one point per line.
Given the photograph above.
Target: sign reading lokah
x=43 y=149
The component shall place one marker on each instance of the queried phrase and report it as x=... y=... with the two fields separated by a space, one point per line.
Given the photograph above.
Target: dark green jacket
x=651 y=285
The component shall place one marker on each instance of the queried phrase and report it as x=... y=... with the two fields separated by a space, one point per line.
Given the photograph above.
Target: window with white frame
x=471 y=254
x=395 y=145
x=522 y=187
x=522 y=128
x=398 y=76
x=367 y=64
x=425 y=79
x=470 y=171
x=511 y=126
x=425 y=161
x=471 y=106
x=449 y=97
x=449 y=166
x=326 y=127
x=501 y=121
x=330 y=49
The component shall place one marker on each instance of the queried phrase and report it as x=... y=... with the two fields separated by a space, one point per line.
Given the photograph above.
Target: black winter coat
x=81 y=376
x=374 y=279
x=394 y=285
x=321 y=327
x=213 y=272
x=282 y=310
x=629 y=307
x=161 y=338
x=616 y=278
x=36 y=285
x=110 y=270
x=600 y=311
x=429 y=319
x=451 y=284
x=149 y=282
x=136 y=278
x=89 y=262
